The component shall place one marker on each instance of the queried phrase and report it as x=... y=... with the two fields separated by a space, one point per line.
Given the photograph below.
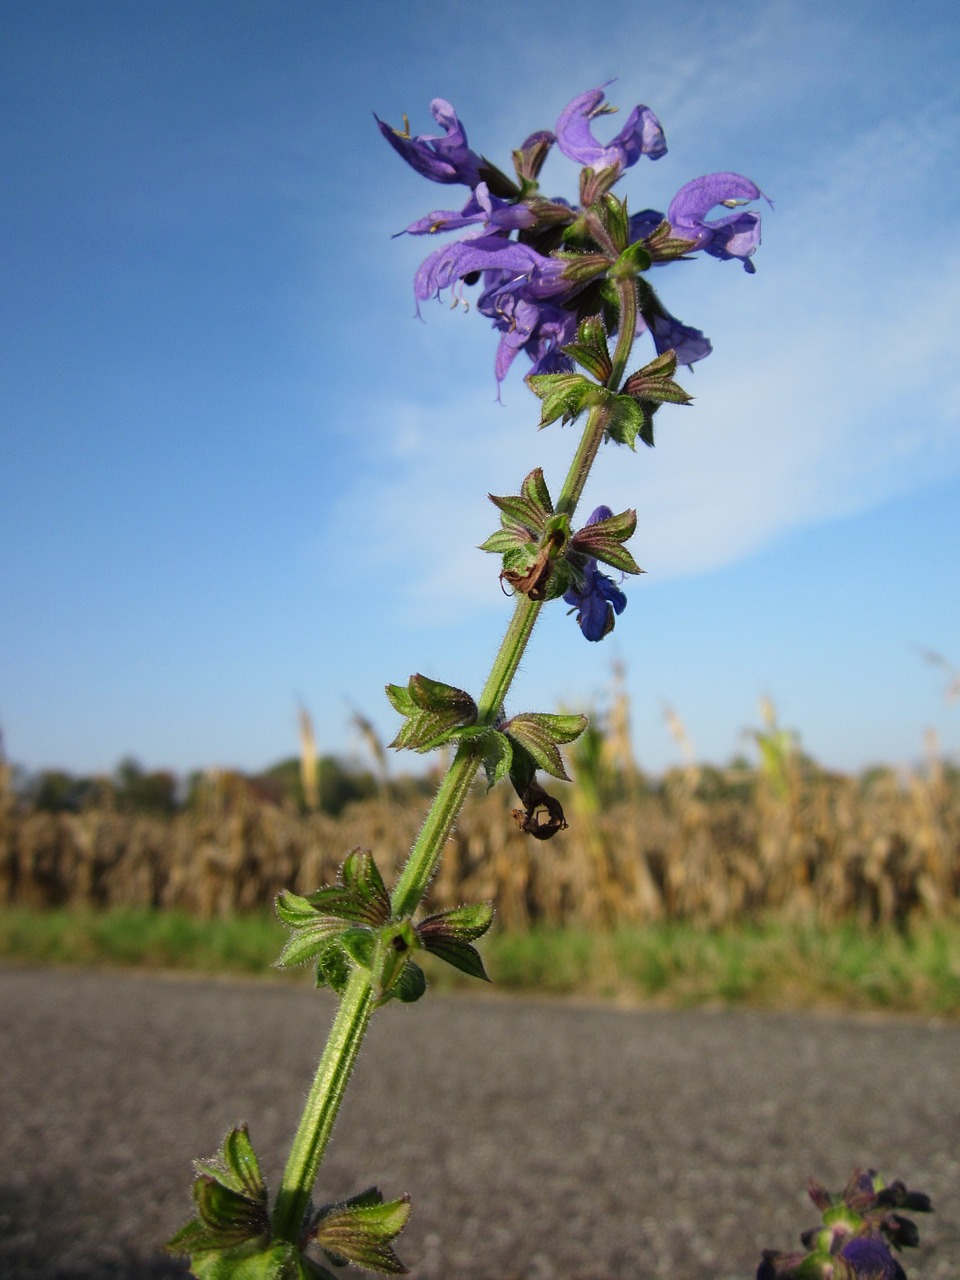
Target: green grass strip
x=769 y=966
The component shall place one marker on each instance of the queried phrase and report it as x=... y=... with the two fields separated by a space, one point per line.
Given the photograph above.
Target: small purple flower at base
x=871 y=1259
x=600 y=597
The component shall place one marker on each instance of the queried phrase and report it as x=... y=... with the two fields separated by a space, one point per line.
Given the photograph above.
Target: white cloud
x=834 y=385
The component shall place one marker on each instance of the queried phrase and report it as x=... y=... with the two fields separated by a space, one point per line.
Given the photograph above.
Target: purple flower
x=452 y=262
x=734 y=236
x=537 y=328
x=481 y=209
x=669 y=334
x=640 y=136
x=441 y=159
x=871 y=1259
x=599 y=598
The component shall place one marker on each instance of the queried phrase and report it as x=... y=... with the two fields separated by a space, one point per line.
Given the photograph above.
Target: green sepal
x=459 y=954
x=434 y=695
x=466 y=923
x=604 y=541
x=655 y=382
x=523 y=515
x=632 y=261
x=539 y=734
x=236 y=1166
x=360 y=899
x=360 y=944
x=309 y=943
x=231 y=1200
x=590 y=350
x=448 y=935
x=497 y=756
x=664 y=246
x=333 y=967
x=410 y=985
x=362 y=879
x=394 y=946
x=613 y=215
x=361 y=1230
x=564 y=395
x=629 y=419
x=504 y=541
x=280 y=1261
x=431 y=709
x=400 y=699
x=231 y=1217
x=580 y=264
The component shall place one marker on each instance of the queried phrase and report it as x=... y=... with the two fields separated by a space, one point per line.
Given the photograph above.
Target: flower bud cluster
x=860 y=1228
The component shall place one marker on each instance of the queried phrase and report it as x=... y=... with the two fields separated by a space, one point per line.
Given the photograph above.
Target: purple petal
x=597 y=602
x=669 y=334
x=600 y=513
x=453 y=261
x=641 y=135
x=690 y=206
x=736 y=235
x=441 y=159
x=481 y=208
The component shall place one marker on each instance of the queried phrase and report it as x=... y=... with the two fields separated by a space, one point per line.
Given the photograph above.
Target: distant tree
x=140 y=792
x=339 y=783
x=56 y=791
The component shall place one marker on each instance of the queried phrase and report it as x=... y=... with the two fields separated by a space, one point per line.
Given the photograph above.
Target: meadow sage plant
x=569 y=284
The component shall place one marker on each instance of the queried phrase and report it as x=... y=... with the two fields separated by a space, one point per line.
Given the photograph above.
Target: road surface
x=538 y=1139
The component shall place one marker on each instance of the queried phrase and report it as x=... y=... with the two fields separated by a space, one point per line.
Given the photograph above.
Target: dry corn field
x=827 y=850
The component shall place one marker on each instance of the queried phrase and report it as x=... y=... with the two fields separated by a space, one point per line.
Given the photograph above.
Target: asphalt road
x=537 y=1139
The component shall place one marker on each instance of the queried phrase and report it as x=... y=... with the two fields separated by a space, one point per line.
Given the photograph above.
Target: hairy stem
x=356 y=1006
x=323 y=1103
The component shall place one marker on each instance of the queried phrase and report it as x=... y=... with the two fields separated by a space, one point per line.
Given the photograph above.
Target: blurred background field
x=770 y=880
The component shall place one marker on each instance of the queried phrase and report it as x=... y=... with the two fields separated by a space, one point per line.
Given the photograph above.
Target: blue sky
x=237 y=471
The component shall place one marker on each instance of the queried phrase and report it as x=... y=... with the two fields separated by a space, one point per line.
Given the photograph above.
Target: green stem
x=356 y=1006
x=323 y=1103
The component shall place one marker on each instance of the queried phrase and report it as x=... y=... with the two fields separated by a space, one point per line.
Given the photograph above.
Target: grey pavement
x=537 y=1139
